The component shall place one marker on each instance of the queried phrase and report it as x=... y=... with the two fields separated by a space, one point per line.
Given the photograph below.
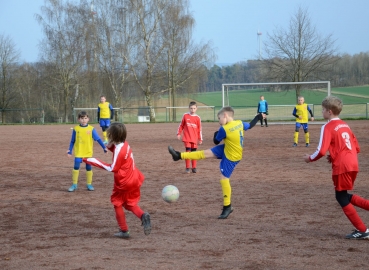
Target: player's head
x=83 y=118
x=333 y=104
x=193 y=107
x=300 y=100
x=261 y=97
x=225 y=115
x=102 y=98
x=117 y=133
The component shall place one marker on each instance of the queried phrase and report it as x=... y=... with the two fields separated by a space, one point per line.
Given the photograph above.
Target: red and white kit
x=190 y=126
x=127 y=181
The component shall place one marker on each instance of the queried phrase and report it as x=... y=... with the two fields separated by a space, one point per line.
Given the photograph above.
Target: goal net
x=281 y=97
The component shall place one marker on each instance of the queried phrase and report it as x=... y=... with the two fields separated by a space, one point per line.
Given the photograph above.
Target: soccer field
x=285 y=213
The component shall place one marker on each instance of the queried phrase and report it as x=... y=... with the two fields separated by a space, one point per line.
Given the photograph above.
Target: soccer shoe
x=90 y=187
x=294 y=145
x=226 y=211
x=307 y=145
x=358 y=235
x=106 y=142
x=175 y=154
x=146 y=223
x=266 y=125
x=122 y=234
x=72 y=188
x=262 y=125
x=194 y=170
x=188 y=170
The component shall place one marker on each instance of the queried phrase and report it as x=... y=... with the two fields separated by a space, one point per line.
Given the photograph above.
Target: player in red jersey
x=127 y=179
x=192 y=134
x=337 y=138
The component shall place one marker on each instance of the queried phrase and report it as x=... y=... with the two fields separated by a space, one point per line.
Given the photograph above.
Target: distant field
x=349 y=95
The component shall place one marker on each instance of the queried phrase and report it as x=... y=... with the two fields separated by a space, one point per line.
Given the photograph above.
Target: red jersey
x=191 y=127
x=337 y=137
x=126 y=176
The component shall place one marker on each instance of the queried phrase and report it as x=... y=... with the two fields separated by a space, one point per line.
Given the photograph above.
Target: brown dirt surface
x=285 y=217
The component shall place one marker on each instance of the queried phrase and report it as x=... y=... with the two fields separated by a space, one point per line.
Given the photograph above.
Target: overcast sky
x=231 y=25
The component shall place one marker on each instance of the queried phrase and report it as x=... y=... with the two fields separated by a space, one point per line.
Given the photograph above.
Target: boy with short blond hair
x=338 y=139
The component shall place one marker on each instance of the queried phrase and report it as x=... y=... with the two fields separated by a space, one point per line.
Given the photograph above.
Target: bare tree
x=144 y=59
x=114 y=42
x=64 y=25
x=185 y=60
x=298 y=53
x=9 y=56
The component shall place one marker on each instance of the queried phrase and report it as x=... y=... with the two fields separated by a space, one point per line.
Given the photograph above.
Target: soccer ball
x=170 y=193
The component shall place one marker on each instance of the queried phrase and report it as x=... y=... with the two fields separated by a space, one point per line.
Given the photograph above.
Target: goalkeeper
x=230 y=153
x=263 y=108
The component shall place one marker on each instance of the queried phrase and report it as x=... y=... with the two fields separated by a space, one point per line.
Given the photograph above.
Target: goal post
x=227 y=85
x=281 y=97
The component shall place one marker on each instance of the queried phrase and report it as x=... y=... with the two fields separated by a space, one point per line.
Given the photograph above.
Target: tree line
x=131 y=50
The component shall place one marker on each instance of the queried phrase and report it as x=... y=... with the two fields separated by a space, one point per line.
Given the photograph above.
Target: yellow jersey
x=84 y=141
x=303 y=111
x=104 y=109
x=233 y=141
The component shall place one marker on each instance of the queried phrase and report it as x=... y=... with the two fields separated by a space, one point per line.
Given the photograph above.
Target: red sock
x=360 y=202
x=194 y=163
x=353 y=216
x=121 y=218
x=135 y=210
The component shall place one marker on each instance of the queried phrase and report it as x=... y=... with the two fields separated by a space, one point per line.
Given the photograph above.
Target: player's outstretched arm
x=256 y=119
x=215 y=138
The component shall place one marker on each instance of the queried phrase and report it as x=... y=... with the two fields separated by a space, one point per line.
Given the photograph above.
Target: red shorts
x=344 y=181
x=190 y=145
x=124 y=198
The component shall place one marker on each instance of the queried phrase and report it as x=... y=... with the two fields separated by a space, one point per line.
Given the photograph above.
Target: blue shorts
x=104 y=122
x=303 y=125
x=226 y=166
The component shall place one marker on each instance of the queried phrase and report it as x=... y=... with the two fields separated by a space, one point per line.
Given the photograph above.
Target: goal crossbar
x=225 y=85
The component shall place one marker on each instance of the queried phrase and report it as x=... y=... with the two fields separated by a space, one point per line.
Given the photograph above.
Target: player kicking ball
x=340 y=141
x=230 y=153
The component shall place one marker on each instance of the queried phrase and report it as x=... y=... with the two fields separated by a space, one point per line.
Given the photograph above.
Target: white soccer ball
x=170 y=194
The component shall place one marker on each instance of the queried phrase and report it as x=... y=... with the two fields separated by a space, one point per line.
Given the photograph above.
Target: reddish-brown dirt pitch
x=285 y=217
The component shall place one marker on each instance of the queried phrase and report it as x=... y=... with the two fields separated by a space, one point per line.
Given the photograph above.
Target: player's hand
x=200 y=142
x=266 y=113
x=105 y=150
x=312 y=118
x=307 y=158
x=179 y=137
x=69 y=153
x=329 y=158
x=300 y=117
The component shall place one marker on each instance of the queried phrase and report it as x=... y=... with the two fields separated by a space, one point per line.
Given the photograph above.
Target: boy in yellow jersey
x=230 y=153
x=82 y=141
x=105 y=113
x=301 y=113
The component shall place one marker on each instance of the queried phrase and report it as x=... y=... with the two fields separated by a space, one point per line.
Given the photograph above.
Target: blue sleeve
x=72 y=141
x=246 y=126
x=266 y=106
x=310 y=111
x=111 y=111
x=221 y=134
x=96 y=137
x=294 y=112
x=258 y=107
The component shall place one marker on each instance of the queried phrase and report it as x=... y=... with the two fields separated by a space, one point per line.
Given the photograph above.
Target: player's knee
x=343 y=198
x=306 y=130
x=296 y=130
x=103 y=128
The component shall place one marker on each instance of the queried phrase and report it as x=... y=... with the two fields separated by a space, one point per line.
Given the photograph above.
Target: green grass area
x=349 y=95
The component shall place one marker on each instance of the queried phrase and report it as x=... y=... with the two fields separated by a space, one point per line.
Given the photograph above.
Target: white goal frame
x=225 y=85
